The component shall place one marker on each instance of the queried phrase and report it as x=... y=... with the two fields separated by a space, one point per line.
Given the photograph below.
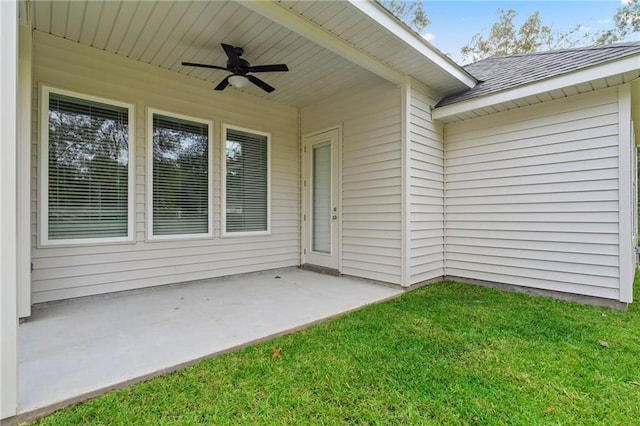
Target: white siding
x=64 y=272
x=371 y=182
x=532 y=196
x=426 y=189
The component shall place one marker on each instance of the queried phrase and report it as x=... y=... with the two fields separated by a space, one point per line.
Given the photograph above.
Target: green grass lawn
x=443 y=354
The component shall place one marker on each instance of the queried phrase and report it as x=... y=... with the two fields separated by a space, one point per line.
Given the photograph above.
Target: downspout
x=625 y=195
x=300 y=189
x=405 y=186
x=445 y=225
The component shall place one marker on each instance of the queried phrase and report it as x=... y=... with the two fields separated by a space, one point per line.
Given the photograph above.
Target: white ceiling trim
x=413 y=40
x=566 y=80
x=312 y=32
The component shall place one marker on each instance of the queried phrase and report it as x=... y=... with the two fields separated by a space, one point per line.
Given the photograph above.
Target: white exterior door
x=321 y=213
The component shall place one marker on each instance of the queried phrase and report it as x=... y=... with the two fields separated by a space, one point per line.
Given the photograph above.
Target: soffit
x=347 y=22
x=164 y=34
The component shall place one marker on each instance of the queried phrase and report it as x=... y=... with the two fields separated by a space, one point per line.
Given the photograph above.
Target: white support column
x=25 y=49
x=8 y=219
x=625 y=195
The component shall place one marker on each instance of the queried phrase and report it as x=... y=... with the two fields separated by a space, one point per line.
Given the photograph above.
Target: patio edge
x=31 y=415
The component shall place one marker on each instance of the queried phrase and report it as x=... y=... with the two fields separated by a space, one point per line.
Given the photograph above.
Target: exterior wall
x=64 y=272
x=426 y=189
x=371 y=176
x=532 y=196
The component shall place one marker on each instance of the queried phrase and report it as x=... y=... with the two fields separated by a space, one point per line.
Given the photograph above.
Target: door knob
x=334 y=217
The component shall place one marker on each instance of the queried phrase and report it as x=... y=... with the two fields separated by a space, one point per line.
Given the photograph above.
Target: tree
x=180 y=177
x=87 y=172
x=626 y=20
x=409 y=12
x=504 y=39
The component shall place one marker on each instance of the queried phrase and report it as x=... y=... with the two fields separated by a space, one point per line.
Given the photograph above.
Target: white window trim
x=44 y=171
x=223 y=183
x=209 y=123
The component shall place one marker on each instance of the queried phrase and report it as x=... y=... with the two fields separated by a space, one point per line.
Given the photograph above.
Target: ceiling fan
x=240 y=69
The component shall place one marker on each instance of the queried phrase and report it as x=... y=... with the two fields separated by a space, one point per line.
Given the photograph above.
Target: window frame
x=43 y=186
x=149 y=177
x=223 y=183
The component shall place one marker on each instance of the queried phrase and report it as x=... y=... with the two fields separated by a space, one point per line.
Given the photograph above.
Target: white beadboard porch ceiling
x=165 y=33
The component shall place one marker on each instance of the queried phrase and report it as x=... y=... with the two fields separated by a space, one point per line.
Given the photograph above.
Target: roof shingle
x=506 y=72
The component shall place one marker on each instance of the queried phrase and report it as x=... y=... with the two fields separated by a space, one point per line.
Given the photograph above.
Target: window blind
x=180 y=176
x=88 y=169
x=246 y=181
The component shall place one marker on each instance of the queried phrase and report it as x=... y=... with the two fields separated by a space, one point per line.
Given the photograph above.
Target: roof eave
x=413 y=40
x=299 y=25
x=609 y=69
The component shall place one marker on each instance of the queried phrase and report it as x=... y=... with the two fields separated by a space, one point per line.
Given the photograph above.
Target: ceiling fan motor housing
x=239 y=67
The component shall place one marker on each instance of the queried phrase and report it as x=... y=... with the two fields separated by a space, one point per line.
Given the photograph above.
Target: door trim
x=304 y=198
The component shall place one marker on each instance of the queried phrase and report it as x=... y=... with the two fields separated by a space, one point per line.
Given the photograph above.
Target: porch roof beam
x=312 y=32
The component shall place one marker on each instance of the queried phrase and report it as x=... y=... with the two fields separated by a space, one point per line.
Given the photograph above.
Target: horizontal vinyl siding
x=426 y=190
x=371 y=183
x=532 y=196
x=65 y=272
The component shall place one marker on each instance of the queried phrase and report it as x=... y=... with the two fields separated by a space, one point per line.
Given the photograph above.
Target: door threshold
x=320 y=269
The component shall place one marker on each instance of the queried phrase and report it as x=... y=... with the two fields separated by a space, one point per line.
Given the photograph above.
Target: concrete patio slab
x=75 y=349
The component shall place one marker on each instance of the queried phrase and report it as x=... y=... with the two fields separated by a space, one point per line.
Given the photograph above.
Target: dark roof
x=506 y=72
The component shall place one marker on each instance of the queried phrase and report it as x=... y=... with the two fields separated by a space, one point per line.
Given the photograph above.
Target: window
x=86 y=169
x=179 y=186
x=246 y=197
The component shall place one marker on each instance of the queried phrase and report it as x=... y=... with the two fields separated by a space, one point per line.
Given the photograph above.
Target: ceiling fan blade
x=261 y=84
x=231 y=52
x=224 y=83
x=191 y=64
x=269 y=68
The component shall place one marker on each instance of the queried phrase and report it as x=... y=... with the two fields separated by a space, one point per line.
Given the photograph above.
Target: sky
x=453 y=23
